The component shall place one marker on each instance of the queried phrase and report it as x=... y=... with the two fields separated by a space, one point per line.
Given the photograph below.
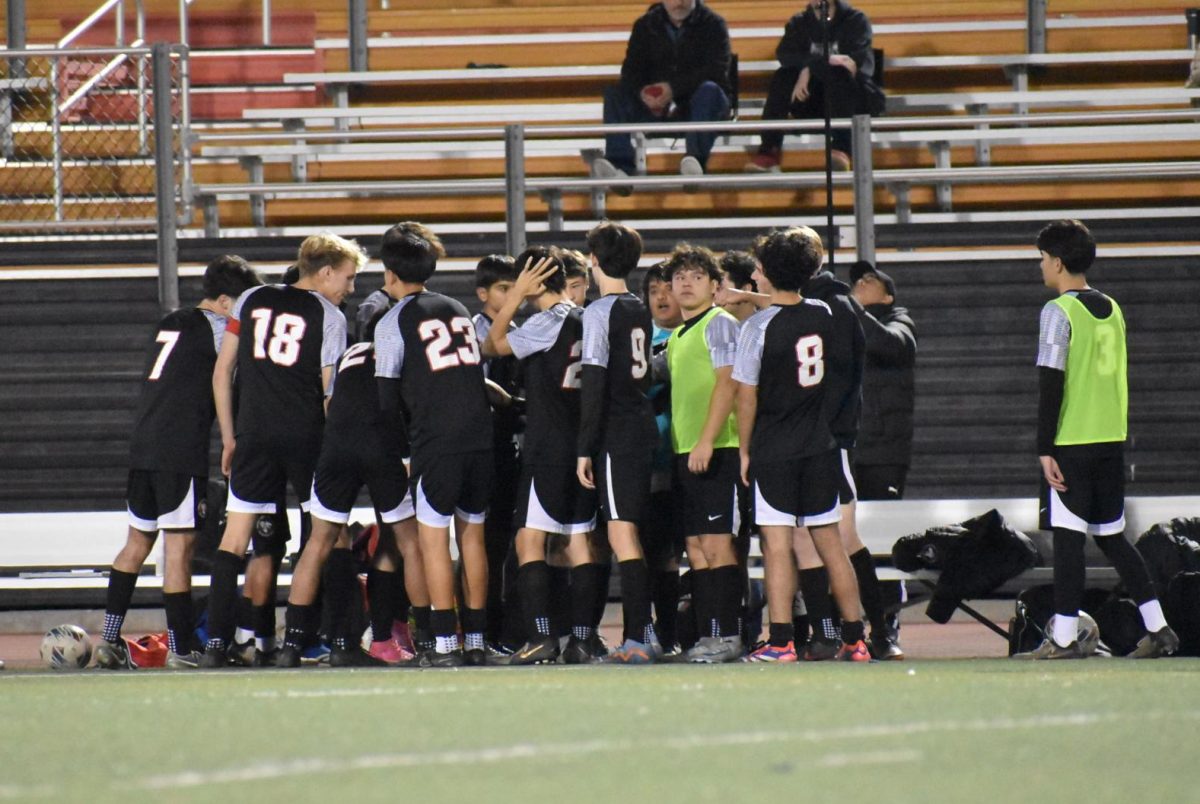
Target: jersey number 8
x=440 y=351
x=810 y=355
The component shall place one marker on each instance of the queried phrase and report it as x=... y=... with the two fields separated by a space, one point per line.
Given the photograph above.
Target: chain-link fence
x=78 y=141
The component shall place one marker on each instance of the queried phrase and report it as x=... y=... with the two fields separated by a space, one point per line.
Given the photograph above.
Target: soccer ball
x=1087 y=633
x=66 y=647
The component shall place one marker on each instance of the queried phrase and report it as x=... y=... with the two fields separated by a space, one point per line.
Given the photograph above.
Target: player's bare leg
x=779 y=573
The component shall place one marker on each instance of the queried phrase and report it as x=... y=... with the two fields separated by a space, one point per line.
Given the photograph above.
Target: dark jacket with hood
x=698 y=52
x=885 y=431
x=843 y=358
x=849 y=35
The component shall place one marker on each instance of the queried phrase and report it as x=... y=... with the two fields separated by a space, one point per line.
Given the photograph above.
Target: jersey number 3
x=810 y=357
x=441 y=351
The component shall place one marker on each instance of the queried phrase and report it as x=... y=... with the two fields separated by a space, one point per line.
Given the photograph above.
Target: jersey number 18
x=283 y=346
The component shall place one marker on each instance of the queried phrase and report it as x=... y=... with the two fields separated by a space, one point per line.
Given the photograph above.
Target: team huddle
x=731 y=417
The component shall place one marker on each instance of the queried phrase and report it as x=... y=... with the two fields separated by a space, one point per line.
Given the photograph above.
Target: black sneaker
x=885 y=648
x=434 y=659
x=820 y=649
x=287 y=656
x=542 y=651
x=475 y=657
x=1162 y=642
x=264 y=658
x=114 y=655
x=353 y=657
x=214 y=658
x=579 y=651
x=597 y=646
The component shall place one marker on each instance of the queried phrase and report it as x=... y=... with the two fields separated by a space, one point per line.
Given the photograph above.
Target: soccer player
x=1082 y=426
x=617 y=429
x=360 y=448
x=704 y=439
x=550 y=500
x=737 y=269
x=784 y=432
x=294 y=337
x=575 y=266
x=168 y=475
x=427 y=359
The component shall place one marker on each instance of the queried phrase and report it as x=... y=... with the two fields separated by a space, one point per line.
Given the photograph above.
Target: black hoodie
x=843 y=358
x=699 y=53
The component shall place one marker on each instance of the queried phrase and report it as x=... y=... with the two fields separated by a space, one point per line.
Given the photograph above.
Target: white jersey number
x=637 y=337
x=168 y=338
x=810 y=355
x=441 y=351
x=283 y=346
x=571 y=377
x=356 y=355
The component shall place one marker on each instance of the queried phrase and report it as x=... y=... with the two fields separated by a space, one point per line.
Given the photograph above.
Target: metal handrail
x=86 y=25
x=91 y=83
x=183 y=20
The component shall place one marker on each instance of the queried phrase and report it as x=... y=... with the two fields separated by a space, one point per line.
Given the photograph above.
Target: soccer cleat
x=315 y=654
x=1162 y=642
x=542 y=651
x=242 y=653
x=885 y=648
x=764 y=162
x=353 y=657
x=264 y=658
x=214 y=658
x=632 y=652
x=603 y=169
x=184 y=661
x=1049 y=649
x=434 y=659
x=597 y=645
x=718 y=650
x=579 y=651
x=403 y=636
x=820 y=649
x=856 y=652
x=287 y=656
x=774 y=653
x=475 y=657
x=702 y=647
x=390 y=652
x=114 y=655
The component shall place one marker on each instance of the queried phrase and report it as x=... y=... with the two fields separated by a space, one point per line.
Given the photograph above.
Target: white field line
x=319 y=766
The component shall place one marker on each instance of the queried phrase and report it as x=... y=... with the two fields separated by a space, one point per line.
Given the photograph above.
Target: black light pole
x=828 y=98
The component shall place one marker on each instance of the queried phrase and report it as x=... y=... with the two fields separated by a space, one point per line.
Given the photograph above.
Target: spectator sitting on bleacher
x=676 y=68
x=798 y=87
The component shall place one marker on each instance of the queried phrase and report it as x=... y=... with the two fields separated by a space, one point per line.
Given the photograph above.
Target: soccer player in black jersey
x=617 y=431
x=786 y=438
x=284 y=341
x=427 y=359
x=575 y=266
x=550 y=500
x=168 y=459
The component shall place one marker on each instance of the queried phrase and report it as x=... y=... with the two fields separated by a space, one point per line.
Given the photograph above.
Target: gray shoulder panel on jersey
x=389 y=346
x=483 y=325
x=218 y=323
x=595 y=331
x=539 y=332
x=241 y=301
x=819 y=303
x=753 y=336
x=1054 y=337
x=721 y=336
x=333 y=341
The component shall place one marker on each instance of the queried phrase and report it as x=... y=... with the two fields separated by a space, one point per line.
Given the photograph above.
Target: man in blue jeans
x=676 y=68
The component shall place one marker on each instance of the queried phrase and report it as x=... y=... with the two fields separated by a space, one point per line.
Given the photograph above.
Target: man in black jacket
x=798 y=87
x=676 y=68
x=884 y=448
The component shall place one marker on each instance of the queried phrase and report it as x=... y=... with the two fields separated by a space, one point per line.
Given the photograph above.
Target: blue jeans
x=708 y=104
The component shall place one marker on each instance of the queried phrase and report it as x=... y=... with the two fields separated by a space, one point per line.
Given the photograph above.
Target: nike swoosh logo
x=711 y=518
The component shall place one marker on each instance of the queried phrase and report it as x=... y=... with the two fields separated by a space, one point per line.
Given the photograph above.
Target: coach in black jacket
x=884 y=447
x=676 y=67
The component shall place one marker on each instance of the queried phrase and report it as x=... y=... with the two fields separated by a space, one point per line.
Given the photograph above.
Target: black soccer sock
x=422 y=627
x=181 y=624
x=603 y=581
x=666 y=605
x=402 y=605
x=120 y=594
x=800 y=627
x=297 y=623
x=852 y=631
x=222 y=599
x=814 y=587
x=635 y=598
x=583 y=599
x=497 y=542
x=560 y=601
x=703 y=595
x=264 y=626
x=381 y=600
x=533 y=581
x=1130 y=566
x=474 y=624
x=728 y=599
x=780 y=634
x=868 y=590
x=243 y=618
x=445 y=630
x=340 y=582
x=1068 y=571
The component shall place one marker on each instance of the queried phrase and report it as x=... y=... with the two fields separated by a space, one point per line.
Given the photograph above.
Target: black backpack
x=1117 y=616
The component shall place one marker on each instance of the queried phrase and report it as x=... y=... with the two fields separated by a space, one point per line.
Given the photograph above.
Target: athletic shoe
x=774 y=653
x=184 y=661
x=315 y=654
x=475 y=657
x=434 y=659
x=632 y=652
x=885 y=648
x=701 y=648
x=764 y=162
x=214 y=658
x=597 y=646
x=390 y=652
x=820 y=649
x=353 y=657
x=288 y=656
x=542 y=651
x=854 y=653
x=579 y=651
x=264 y=658
x=603 y=169
x=1162 y=642
x=498 y=650
x=717 y=650
x=114 y=655
x=1049 y=649
x=690 y=166
x=242 y=653
x=403 y=636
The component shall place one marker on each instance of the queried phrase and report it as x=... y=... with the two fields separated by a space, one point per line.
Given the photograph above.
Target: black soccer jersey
x=427 y=343
x=550 y=346
x=616 y=415
x=175 y=410
x=354 y=413
x=844 y=357
x=782 y=350
x=285 y=337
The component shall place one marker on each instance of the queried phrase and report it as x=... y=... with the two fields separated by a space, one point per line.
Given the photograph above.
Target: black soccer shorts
x=798 y=492
x=261 y=473
x=707 y=504
x=165 y=500
x=623 y=485
x=1094 y=501
x=344 y=468
x=551 y=499
x=847 y=491
x=446 y=486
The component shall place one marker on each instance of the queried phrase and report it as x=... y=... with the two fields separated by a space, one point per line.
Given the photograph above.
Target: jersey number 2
x=441 y=352
x=810 y=357
x=283 y=346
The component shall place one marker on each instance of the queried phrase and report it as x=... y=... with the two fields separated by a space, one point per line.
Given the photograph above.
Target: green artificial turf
x=966 y=730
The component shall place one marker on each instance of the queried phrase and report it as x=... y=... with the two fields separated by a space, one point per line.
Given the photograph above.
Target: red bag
x=149 y=651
